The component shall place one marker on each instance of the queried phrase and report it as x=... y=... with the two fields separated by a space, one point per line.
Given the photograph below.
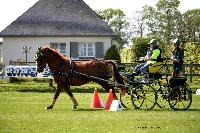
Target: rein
x=100 y=79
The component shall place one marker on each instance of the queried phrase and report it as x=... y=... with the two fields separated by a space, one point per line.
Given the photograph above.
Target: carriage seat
x=156 y=70
x=177 y=81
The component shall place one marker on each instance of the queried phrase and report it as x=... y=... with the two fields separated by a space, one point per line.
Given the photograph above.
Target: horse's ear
x=38 y=53
x=39 y=48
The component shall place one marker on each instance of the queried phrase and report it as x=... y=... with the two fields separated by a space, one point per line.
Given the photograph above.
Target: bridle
x=38 y=56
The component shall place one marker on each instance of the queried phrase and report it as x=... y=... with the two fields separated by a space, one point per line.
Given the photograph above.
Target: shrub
x=25 y=79
x=112 y=53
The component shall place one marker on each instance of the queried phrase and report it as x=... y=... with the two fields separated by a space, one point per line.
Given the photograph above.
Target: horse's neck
x=55 y=64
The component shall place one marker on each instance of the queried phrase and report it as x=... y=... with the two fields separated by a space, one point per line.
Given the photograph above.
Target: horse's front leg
x=56 y=94
x=74 y=102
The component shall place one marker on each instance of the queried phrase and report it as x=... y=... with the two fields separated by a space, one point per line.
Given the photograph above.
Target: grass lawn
x=22 y=112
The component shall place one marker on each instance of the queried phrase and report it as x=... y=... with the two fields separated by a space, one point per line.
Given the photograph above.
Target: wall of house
x=12 y=48
x=1 y=58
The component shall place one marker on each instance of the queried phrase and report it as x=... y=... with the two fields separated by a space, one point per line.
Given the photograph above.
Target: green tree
x=150 y=18
x=138 y=24
x=191 y=20
x=191 y=53
x=139 y=47
x=167 y=13
x=116 y=19
x=161 y=20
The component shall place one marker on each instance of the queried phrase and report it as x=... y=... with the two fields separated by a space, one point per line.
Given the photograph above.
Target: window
x=63 y=48
x=54 y=45
x=86 y=49
x=60 y=46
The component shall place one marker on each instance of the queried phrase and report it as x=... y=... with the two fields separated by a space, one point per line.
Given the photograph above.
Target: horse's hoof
x=49 y=107
x=74 y=107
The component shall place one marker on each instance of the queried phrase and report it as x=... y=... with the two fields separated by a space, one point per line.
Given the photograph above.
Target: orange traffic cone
x=109 y=100
x=96 y=101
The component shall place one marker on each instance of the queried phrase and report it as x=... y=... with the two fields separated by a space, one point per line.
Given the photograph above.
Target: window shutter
x=74 y=49
x=99 y=50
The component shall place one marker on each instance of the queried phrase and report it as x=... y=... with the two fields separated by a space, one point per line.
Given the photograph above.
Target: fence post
x=191 y=64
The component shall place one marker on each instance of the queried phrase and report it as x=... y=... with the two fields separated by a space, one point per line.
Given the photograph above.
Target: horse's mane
x=55 y=52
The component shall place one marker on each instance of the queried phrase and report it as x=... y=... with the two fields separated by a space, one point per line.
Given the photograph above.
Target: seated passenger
x=155 y=56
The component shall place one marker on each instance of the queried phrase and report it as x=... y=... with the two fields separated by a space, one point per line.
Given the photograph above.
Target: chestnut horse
x=66 y=72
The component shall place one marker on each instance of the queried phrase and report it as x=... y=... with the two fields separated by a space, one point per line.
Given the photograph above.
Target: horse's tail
x=117 y=76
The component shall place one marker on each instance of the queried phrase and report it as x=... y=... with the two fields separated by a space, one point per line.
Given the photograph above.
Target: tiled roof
x=58 y=18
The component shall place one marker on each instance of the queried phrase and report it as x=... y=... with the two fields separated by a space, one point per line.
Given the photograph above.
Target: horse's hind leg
x=69 y=92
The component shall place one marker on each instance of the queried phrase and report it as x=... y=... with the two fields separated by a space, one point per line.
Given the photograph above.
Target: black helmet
x=177 y=41
x=154 y=42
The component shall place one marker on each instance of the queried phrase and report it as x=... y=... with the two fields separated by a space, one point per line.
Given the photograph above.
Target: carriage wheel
x=162 y=97
x=137 y=97
x=180 y=97
x=126 y=100
x=144 y=97
x=132 y=97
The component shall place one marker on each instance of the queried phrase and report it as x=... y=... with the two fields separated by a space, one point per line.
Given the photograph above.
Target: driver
x=154 y=58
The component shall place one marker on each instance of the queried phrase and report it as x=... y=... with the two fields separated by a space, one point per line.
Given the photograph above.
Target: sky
x=10 y=10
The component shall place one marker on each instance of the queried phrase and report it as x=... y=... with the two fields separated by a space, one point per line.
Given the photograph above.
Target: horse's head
x=40 y=59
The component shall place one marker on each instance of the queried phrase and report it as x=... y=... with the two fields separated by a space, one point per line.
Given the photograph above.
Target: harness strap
x=60 y=73
x=72 y=67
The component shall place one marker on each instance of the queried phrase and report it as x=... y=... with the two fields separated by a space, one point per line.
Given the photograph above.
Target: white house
x=68 y=25
x=1 y=50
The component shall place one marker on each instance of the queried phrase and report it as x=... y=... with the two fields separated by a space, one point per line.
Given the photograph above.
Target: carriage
x=142 y=93
x=157 y=88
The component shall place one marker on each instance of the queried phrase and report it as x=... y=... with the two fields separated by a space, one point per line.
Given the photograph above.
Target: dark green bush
x=112 y=54
x=21 y=79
